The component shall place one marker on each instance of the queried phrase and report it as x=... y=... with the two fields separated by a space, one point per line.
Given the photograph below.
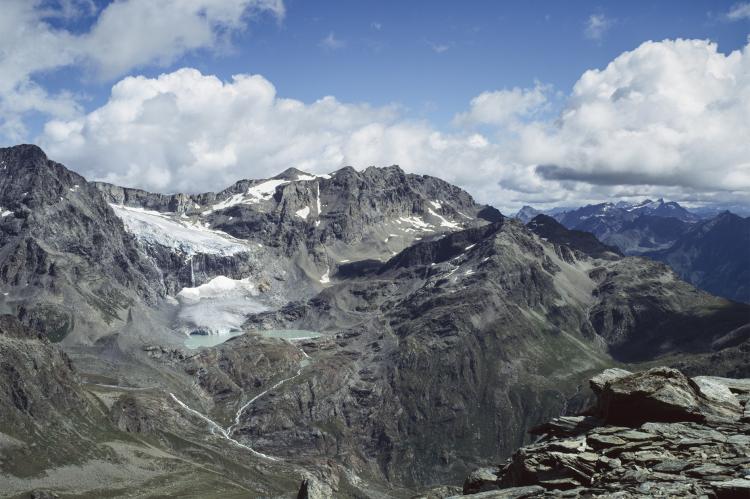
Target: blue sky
x=532 y=102
x=431 y=57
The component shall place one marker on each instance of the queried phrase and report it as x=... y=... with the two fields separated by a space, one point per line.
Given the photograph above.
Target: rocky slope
x=655 y=433
x=73 y=434
x=506 y=324
x=66 y=262
x=714 y=255
x=548 y=228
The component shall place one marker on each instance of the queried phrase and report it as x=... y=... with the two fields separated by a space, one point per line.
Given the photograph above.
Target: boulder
x=597 y=382
x=664 y=394
x=731 y=489
x=481 y=480
x=311 y=488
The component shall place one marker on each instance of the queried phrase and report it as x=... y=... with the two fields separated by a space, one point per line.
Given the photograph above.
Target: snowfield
x=303 y=213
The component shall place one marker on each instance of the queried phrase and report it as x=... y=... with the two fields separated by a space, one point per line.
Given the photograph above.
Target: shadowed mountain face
x=446 y=329
x=714 y=255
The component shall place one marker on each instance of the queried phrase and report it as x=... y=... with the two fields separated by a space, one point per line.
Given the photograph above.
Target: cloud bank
x=667 y=118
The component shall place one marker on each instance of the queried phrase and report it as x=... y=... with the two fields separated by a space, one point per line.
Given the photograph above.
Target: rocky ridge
x=655 y=433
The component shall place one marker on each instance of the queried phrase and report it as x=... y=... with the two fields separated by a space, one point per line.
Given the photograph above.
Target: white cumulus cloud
x=504 y=107
x=671 y=113
x=124 y=35
x=668 y=118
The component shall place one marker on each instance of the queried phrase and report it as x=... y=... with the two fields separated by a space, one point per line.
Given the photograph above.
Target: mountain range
x=365 y=333
x=708 y=251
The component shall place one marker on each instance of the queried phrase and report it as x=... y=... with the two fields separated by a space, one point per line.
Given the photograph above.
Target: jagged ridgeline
x=431 y=332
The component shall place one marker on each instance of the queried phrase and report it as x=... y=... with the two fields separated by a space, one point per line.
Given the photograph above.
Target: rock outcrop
x=655 y=433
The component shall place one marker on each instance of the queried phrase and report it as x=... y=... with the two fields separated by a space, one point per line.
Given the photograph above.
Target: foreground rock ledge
x=655 y=433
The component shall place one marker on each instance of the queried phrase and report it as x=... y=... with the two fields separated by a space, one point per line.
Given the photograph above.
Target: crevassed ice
x=220 y=286
x=220 y=305
x=181 y=235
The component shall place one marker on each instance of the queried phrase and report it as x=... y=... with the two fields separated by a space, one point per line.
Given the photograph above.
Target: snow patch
x=303 y=213
x=443 y=221
x=255 y=194
x=415 y=221
x=326 y=278
x=5 y=212
x=317 y=199
x=264 y=190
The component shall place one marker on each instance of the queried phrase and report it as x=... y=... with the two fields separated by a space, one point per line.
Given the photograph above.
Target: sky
x=541 y=103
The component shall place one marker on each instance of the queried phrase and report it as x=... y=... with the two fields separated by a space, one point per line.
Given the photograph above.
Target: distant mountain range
x=708 y=249
x=714 y=255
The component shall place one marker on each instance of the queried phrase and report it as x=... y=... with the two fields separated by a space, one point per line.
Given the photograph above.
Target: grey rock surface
x=655 y=458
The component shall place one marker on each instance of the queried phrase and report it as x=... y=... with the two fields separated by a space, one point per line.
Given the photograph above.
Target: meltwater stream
x=229 y=430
